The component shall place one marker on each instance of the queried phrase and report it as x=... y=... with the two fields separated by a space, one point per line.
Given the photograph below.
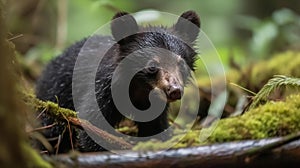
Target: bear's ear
x=188 y=25
x=123 y=25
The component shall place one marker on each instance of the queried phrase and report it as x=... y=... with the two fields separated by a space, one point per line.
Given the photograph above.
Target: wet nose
x=175 y=93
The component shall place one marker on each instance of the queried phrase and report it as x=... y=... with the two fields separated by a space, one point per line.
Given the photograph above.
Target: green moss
x=269 y=120
x=57 y=111
x=53 y=108
x=286 y=63
x=253 y=77
x=261 y=72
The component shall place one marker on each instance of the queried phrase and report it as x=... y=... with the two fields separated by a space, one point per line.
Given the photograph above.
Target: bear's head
x=168 y=54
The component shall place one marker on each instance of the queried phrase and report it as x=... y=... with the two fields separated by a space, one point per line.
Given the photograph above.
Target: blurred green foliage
x=276 y=33
x=238 y=29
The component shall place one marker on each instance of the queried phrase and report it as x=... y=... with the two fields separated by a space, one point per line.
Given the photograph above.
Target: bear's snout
x=174 y=93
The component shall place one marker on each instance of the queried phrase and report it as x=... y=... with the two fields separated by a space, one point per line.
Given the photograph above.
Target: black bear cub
x=55 y=84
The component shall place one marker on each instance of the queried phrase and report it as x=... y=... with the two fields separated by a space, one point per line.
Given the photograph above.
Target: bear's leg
x=153 y=127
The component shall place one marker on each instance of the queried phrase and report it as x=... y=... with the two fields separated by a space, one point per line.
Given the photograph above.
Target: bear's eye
x=152 y=67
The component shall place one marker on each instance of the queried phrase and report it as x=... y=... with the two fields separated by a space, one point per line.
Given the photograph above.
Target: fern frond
x=277 y=82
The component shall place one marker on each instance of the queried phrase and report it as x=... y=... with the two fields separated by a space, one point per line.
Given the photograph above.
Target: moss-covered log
x=274 y=119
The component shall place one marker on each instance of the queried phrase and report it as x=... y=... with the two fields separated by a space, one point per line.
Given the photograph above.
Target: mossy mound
x=256 y=75
x=270 y=120
x=253 y=77
x=286 y=63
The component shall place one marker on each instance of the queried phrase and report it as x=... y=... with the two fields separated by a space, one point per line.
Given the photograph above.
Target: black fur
x=55 y=83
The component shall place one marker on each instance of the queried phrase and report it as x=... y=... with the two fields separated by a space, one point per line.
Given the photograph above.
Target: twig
x=103 y=134
x=242 y=88
x=41 y=128
x=58 y=143
x=15 y=37
x=41 y=113
x=70 y=133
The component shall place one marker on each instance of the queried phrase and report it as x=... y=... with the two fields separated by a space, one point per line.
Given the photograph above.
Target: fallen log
x=231 y=154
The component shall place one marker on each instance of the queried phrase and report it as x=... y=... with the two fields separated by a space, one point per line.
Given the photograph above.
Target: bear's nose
x=175 y=93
